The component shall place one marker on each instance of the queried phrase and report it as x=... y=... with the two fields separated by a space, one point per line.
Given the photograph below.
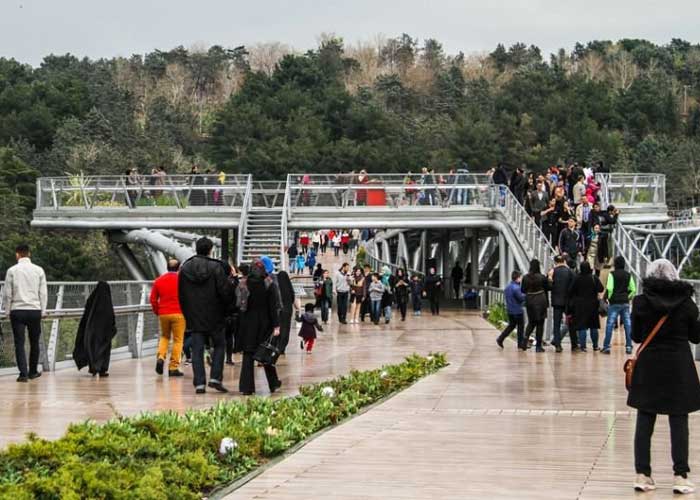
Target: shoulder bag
x=629 y=365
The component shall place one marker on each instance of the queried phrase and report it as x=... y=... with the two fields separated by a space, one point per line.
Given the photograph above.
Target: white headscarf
x=662 y=269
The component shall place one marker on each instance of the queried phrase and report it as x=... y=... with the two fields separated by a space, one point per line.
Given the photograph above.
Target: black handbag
x=267 y=353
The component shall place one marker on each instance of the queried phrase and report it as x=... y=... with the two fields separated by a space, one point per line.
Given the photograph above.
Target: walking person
x=665 y=380
x=376 y=292
x=620 y=288
x=335 y=243
x=388 y=295
x=301 y=262
x=366 y=306
x=357 y=295
x=515 y=299
x=326 y=298
x=309 y=325
x=25 y=296
x=205 y=295
x=165 y=303
x=535 y=287
x=457 y=276
x=289 y=305
x=561 y=278
x=401 y=291
x=292 y=253
x=417 y=294
x=341 y=283
x=433 y=288
x=584 y=297
x=259 y=322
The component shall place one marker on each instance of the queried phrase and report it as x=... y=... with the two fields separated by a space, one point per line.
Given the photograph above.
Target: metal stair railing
x=243 y=221
x=283 y=227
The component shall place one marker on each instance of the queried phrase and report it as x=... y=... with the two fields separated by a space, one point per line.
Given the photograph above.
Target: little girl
x=309 y=325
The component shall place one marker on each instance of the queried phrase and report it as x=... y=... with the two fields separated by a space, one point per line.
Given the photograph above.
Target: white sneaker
x=682 y=485
x=644 y=483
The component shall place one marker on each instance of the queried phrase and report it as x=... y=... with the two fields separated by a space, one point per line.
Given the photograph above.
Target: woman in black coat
x=432 y=287
x=583 y=303
x=665 y=380
x=535 y=287
x=287 y=294
x=258 y=322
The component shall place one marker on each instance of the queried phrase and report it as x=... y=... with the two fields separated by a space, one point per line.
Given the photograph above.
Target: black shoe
x=596 y=348
x=558 y=349
x=301 y=345
x=499 y=341
x=104 y=374
x=343 y=322
x=22 y=378
x=575 y=349
x=539 y=349
x=582 y=349
x=247 y=393
x=386 y=321
x=34 y=375
x=200 y=390
x=217 y=386
x=230 y=362
x=159 y=366
x=175 y=373
x=279 y=384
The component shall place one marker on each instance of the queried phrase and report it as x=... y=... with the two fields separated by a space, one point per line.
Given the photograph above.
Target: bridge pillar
x=474 y=259
x=129 y=260
x=502 y=261
x=424 y=251
x=224 y=245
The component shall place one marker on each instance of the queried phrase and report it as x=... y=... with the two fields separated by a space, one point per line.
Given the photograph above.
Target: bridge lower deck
x=494 y=424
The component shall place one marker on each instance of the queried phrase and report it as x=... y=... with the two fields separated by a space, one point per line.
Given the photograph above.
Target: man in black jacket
x=205 y=295
x=562 y=277
x=570 y=241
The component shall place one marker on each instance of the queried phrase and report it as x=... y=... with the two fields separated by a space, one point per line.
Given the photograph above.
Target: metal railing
x=627 y=247
x=66 y=300
x=533 y=240
x=268 y=194
x=389 y=190
x=633 y=189
x=283 y=228
x=106 y=192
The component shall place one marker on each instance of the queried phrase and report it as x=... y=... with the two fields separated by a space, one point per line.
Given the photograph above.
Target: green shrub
x=497 y=314
x=167 y=455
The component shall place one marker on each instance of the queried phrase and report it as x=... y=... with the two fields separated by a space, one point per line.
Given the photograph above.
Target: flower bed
x=167 y=455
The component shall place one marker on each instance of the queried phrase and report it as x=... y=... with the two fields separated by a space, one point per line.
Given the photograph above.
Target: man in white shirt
x=342 y=288
x=24 y=300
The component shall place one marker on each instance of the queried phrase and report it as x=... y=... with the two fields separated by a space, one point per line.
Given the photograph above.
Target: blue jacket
x=515 y=299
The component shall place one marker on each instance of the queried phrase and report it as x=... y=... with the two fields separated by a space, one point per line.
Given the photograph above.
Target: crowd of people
x=307 y=247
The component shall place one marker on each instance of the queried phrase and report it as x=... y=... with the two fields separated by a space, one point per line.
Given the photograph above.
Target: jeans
x=615 y=310
x=218 y=339
x=515 y=321
x=582 y=338
x=376 y=310
x=30 y=320
x=325 y=307
x=679 y=442
x=292 y=265
x=171 y=326
x=387 y=313
x=342 y=303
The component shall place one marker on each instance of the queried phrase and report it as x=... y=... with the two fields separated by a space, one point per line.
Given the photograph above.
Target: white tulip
x=227 y=446
x=328 y=391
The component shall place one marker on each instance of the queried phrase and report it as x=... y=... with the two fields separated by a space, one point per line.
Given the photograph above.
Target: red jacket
x=164 y=295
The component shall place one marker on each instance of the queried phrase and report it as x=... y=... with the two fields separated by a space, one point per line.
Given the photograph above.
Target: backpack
x=318 y=290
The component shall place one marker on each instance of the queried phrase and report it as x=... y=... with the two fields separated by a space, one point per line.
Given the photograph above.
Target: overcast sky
x=31 y=29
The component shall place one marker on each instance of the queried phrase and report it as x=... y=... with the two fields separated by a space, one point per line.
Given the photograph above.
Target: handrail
x=243 y=220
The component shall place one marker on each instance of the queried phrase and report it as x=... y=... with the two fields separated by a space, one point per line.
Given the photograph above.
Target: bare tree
x=265 y=56
x=591 y=66
x=622 y=71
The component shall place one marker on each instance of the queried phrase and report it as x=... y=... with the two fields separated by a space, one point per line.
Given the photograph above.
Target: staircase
x=263 y=235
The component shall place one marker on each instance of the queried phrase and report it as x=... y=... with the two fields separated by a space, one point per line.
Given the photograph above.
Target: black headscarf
x=286 y=289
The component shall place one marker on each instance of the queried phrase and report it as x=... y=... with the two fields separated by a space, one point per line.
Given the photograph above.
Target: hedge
x=167 y=455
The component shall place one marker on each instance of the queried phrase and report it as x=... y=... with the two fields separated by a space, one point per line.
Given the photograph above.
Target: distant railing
x=243 y=220
x=106 y=192
x=389 y=190
x=633 y=189
x=268 y=194
x=66 y=301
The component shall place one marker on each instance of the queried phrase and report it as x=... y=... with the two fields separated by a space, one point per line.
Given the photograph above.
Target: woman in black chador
x=93 y=343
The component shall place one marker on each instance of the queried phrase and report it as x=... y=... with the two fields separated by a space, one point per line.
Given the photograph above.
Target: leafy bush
x=167 y=455
x=497 y=314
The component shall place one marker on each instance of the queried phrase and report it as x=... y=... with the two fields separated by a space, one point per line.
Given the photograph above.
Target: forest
x=386 y=105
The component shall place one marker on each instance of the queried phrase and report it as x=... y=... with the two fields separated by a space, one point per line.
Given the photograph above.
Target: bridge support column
x=474 y=259
x=502 y=261
x=510 y=259
x=129 y=260
x=224 y=245
x=424 y=251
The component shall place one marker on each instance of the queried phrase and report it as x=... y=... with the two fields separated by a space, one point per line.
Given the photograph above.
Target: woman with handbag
x=535 y=287
x=259 y=322
x=584 y=300
x=664 y=380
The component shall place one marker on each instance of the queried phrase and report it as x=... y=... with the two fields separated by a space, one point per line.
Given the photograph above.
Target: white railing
x=389 y=190
x=135 y=324
x=105 y=192
x=633 y=189
x=243 y=220
x=284 y=242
